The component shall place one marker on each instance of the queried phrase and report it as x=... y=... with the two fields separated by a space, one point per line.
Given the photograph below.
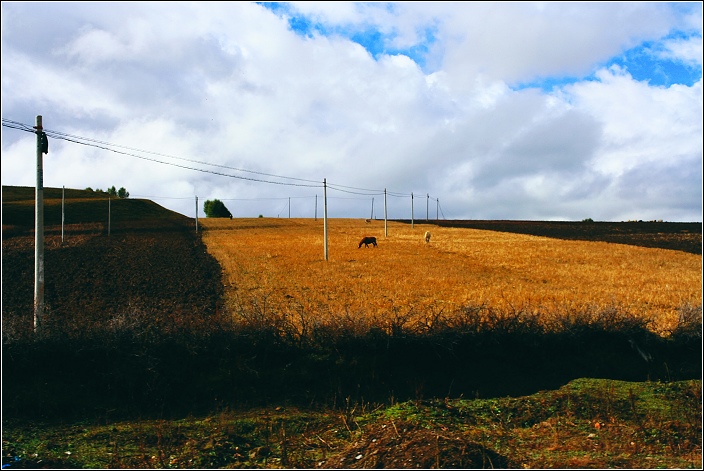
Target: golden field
x=278 y=266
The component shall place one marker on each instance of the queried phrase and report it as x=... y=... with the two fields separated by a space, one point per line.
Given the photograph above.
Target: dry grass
x=278 y=265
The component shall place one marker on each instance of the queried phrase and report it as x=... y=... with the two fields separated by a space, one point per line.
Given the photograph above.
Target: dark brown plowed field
x=683 y=236
x=96 y=277
x=152 y=260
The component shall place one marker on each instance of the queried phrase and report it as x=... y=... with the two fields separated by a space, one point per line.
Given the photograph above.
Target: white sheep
x=427 y=236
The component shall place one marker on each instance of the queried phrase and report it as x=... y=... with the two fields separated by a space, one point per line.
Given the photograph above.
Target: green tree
x=216 y=209
x=121 y=193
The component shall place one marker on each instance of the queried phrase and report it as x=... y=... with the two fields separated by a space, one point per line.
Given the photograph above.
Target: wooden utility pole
x=412 y=226
x=325 y=215
x=63 y=202
x=196 y=213
x=39 y=231
x=386 y=221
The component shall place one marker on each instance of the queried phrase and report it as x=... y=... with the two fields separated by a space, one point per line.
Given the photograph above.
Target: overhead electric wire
x=59 y=135
x=339 y=187
x=15 y=125
x=163 y=197
x=441 y=212
x=103 y=145
x=63 y=136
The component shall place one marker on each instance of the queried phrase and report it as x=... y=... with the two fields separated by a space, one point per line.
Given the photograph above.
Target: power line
x=15 y=125
x=59 y=135
x=113 y=148
x=103 y=145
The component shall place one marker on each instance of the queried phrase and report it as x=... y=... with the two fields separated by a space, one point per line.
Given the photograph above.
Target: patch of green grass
x=587 y=423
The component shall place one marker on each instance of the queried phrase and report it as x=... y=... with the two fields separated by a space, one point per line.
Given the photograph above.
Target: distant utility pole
x=386 y=221
x=372 y=215
x=42 y=146
x=427 y=202
x=412 y=210
x=196 y=213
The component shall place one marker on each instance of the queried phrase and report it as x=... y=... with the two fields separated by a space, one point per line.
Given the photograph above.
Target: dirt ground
x=142 y=266
x=683 y=236
x=403 y=446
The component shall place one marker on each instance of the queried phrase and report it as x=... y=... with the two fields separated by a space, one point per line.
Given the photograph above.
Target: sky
x=450 y=110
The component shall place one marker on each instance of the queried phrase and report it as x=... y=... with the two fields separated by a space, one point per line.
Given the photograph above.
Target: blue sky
x=494 y=110
x=367 y=36
x=643 y=62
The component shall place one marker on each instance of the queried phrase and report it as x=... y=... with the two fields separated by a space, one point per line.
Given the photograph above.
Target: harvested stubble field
x=278 y=267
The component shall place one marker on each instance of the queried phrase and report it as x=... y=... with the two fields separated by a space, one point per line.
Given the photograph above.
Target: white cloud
x=232 y=85
x=688 y=51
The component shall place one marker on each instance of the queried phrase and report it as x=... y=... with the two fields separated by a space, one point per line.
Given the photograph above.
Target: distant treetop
x=216 y=209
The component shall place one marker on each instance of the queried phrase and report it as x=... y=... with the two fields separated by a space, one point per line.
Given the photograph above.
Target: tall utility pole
x=109 y=215
x=39 y=229
x=196 y=213
x=412 y=210
x=325 y=216
x=427 y=202
x=63 y=200
x=386 y=221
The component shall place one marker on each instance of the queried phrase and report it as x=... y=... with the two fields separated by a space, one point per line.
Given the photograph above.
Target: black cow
x=366 y=241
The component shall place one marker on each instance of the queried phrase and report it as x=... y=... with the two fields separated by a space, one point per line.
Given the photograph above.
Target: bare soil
x=141 y=265
x=683 y=236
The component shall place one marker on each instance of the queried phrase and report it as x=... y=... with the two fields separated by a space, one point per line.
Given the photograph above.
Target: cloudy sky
x=476 y=110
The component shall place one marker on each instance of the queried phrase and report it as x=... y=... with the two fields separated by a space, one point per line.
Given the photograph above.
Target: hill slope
x=143 y=257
